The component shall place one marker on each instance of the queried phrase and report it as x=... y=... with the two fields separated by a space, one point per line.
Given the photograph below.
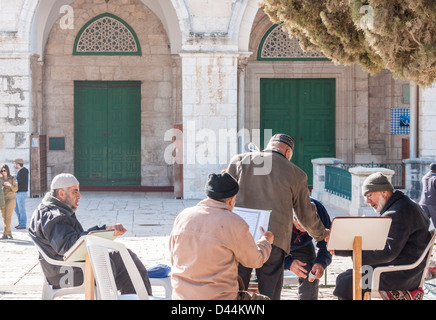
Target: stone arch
x=38 y=18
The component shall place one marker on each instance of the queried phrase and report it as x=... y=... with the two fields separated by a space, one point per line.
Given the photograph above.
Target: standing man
x=21 y=194
x=407 y=239
x=269 y=181
x=428 y=196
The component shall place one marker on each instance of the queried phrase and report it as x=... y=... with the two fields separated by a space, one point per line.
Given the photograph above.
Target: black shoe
x=4 y=237
x=20 y=227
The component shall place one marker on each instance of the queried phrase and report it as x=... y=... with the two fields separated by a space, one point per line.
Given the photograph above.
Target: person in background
x=428 y=196
x=21 y=194
x=10 y=186
x=307 y=264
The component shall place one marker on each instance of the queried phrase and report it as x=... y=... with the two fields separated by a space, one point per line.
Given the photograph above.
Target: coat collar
x=211 y=203
x=53 y=202
x=395 y=196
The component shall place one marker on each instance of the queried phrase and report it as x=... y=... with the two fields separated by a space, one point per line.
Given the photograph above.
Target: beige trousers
x=7 y=212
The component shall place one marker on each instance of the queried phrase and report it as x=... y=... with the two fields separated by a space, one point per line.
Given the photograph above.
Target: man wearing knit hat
x=268 y=180
x=407 y=239
x=55 y=228
x=428 y=196
x=208 y=241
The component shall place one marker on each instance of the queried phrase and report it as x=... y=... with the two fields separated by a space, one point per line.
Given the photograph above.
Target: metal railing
x=338 y=179
x=399 y=177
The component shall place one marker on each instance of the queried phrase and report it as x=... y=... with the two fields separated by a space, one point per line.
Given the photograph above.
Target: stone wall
x=14 y=108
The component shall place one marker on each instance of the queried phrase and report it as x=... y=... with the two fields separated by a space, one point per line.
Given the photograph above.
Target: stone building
x=155 y=94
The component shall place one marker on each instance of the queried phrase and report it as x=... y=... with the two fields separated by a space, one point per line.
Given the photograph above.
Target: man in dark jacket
x=407 y=238
x=21 y=194
x=303 y=261
x=55 y=228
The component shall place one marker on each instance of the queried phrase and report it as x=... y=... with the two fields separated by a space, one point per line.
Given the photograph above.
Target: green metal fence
x=338 y=179
x=398 y=179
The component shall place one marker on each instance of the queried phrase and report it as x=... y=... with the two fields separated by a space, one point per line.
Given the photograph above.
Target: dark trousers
x=306 y=290
x=344 y=286
x=122 y=279
x=269 y=276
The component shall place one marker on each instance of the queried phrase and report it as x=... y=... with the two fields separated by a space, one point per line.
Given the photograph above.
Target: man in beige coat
x=268 y=180
x=208 y=241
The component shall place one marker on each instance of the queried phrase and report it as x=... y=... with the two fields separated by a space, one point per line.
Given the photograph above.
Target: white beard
x=380 y=205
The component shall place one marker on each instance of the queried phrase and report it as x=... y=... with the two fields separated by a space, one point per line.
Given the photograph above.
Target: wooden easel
x=89 y=279
x=357 y=234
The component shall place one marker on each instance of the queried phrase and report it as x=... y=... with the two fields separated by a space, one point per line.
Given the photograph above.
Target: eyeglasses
x=369 y=195
x=3 y=170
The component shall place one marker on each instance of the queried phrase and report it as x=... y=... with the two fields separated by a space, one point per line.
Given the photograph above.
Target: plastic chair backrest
x=48 y=293
x=429 y=249
x=101 y=265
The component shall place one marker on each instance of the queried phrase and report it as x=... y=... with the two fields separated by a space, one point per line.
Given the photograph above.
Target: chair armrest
x=379 y=270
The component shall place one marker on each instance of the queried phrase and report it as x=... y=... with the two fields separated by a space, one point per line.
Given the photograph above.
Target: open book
x=78 y=251
x=255 y=218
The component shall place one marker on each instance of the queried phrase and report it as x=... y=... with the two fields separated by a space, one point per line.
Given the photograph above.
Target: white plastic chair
x=98 y=249
x=165 y=283
x=48 y=293
x=379 y=270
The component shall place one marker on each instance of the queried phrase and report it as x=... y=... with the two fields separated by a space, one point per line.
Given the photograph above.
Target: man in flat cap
x=407 y=239
x=207 y=242
x=55 y=228
x=21 y=194
x=428 y=195
x=268 y=180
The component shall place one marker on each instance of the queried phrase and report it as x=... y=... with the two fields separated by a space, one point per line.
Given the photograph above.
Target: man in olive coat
x=268 y=180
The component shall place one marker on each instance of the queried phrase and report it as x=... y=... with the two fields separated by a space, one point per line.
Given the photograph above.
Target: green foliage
x=398 y=35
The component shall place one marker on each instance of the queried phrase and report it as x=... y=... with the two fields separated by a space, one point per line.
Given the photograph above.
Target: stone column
x=14 y=108
x=319 y=174
x=209 y=116
x=358 y=175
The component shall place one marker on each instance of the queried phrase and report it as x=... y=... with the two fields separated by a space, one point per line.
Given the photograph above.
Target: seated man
x=303 y=259
x=55 y=228
x=209 y=240
x=407 y=239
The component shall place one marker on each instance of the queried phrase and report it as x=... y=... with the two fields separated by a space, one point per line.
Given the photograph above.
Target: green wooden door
x=107 y=138
x=303 y=109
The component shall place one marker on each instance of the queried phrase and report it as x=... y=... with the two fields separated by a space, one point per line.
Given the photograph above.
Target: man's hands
x=297 y=267
x=268 y=235
x=118 y=228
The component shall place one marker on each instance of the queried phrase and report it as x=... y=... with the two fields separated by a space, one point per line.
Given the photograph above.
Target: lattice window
x=277 y=45
x=106 y=34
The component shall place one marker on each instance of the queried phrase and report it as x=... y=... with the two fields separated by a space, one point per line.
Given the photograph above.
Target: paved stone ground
x=148 y=217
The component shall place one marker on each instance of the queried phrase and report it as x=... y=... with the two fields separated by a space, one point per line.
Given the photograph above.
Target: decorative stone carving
x=278 y=45
x=106 y=35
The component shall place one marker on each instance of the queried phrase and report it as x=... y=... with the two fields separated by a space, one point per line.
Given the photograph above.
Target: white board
x=255 y=218
x=373 y=230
